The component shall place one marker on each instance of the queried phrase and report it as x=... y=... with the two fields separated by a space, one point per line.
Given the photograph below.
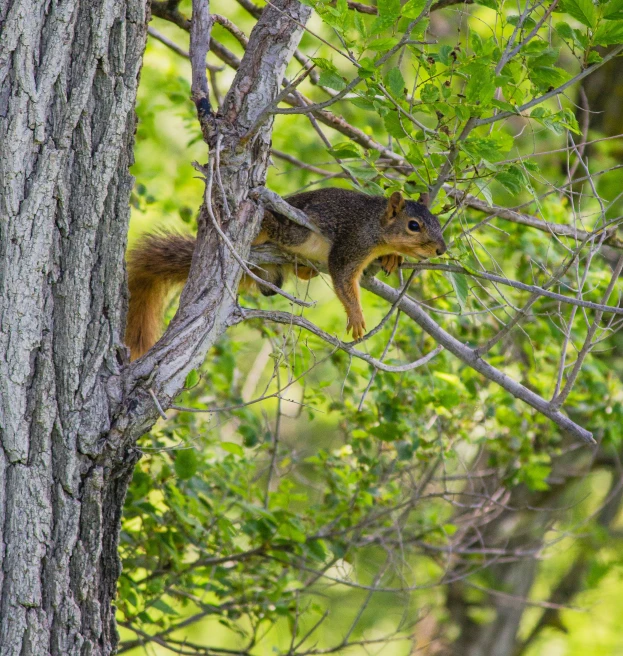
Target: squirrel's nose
x=441 y=249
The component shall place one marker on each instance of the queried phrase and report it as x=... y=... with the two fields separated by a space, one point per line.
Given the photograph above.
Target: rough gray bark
x=68 y=80
x=70 y=411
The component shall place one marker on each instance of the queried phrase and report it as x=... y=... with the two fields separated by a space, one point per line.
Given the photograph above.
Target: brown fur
x=358 y=228
x=158 y=263
x=355 y=229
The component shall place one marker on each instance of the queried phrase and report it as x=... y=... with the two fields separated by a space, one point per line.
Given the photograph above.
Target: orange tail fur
x=158 y=263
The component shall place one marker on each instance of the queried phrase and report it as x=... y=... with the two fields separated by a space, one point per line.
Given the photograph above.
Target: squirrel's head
x=411 y=229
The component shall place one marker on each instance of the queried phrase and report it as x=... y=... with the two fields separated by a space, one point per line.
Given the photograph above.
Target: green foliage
x=285 y=522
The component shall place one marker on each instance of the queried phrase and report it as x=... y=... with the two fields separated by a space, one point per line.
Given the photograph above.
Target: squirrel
x=355 y=229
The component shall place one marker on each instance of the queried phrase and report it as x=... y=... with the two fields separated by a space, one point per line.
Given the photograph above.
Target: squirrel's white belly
x=316 y=248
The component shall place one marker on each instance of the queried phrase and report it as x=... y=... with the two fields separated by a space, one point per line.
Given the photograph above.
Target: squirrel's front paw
x=357 y=325
x=389 y=263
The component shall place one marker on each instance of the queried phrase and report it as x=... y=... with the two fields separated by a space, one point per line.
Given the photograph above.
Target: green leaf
x=429 y=93
x=483 y=186
x=317 y=549
x=324 y=64
x=564 y=30
x=386 y=432
x=413 y=8
x=462 y=112
x=613 y=10
x=451 y=379
x=388 y=9
x=367 y=67
x=548 y=76
x=232 y=447
x=609 y=33
x=444 y=54
x=480 y=88
x=361 y=172
x=593 y=57
x=291 y=532
x=393 y=125
x=364 y=103
x=345 y=149
x=504 y=106
x=571 y=121
x=475 y=41
x=186 y=463
x=461 y=289
x=535 y=476
x=384 y=44
x=395 y=82
x=580 y=38
x=581 y=10
x=192 y=379
x=528 y=23
x=164 y=607
x=558 y=122
x=513 y=179
x=491 y=148
x=186 y=214
x=331 y=80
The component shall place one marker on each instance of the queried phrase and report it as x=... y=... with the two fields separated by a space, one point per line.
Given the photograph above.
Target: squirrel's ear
x=424 y=199
x=394 y=205
x=396 y=202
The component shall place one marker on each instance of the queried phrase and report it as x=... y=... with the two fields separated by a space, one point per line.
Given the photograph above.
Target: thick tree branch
x=201 y=26
x=209 y=297
x=274 y=202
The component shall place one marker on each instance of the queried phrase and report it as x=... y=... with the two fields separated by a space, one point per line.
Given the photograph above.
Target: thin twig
x=161 y=412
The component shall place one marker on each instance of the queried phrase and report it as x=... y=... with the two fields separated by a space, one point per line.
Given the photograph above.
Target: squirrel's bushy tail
x=156 y=264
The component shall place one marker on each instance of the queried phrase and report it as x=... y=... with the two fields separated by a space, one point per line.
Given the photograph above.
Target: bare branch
x=292 y=320
x=471 y=358
x=177 y=49
x=558 y=400
x=274 y=202
x=232 y=28
x=534 y=289
x=532 y=221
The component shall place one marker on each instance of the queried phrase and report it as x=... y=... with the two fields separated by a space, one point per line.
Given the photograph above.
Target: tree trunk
x=68 y=80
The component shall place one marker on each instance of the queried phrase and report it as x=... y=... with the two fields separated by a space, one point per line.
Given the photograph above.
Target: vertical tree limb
x=200 y=28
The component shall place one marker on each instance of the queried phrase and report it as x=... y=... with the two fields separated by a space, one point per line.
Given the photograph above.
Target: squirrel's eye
x=414 y=226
